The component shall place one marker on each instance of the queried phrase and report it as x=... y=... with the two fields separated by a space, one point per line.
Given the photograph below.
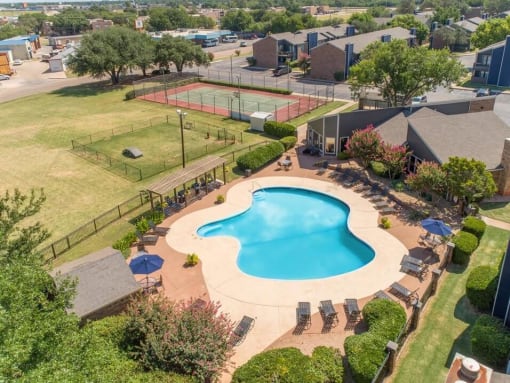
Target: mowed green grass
x=36 y=135
x=496 y=210
x=448 y=318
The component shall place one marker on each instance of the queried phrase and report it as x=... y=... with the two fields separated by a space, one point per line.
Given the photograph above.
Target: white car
x=4 y=77
x=17 y=62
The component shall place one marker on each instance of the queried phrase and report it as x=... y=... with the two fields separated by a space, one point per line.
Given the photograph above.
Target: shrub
x=465 y=244
x=379 y=169
x=285 y=365
x=279 y=129
x=142 y=225
x=220 y=198
x=474 y=226
x=111 y=328
x=129 y=95
x=261 y=156
x=385 y=223
x=124 y=244
x=191 y=259
x=343 y=156
x=237 y=52
x=288 y=142
x=481 y=287
x=169 y=336
x=328 y=362
x=365 y=352
x=251 y=60
x=398 y=185
x=490 y=341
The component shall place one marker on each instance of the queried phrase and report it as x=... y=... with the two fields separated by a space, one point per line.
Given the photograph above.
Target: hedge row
x=245 y=86
x=366 y=352
x=279 y=129
x=481 y=287
x=288 y=142
x=465 y=244
x=474 y=226
x=289 y=365
x=490 y=341
x=261 y=156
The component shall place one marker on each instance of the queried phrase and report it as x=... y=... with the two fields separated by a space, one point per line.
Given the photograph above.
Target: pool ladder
x=257 y=191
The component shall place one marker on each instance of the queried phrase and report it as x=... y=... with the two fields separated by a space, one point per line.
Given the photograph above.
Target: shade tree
x=490 y=32
x=401 y=72
x=180 y=52
x=364 y=144
x=429 y=178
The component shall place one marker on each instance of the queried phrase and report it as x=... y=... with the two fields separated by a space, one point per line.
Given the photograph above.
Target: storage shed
x=258 y=119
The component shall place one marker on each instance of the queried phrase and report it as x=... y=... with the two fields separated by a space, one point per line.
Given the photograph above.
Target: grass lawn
x=496 y=210
x=298 y=121
x=36 y=133
x=447 y=320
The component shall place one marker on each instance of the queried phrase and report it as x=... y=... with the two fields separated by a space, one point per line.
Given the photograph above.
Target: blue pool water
x=293 y=234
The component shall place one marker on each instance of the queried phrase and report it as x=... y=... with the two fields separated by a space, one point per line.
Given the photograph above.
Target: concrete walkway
x=496 y=223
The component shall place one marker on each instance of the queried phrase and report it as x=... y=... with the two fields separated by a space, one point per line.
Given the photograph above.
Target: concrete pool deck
x=273 y=302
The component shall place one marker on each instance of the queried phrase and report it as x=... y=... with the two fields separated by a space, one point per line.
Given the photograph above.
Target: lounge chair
x=353 y=311
x=147 y=239
x=419 y=271
x=403 y=292
x=381 y=203
x=241 y=330
x=304 y=316
x=388 y=210
x=363 y=188
x=410 y=259
x=381 y=294
x=158 y=230
x=328 y=312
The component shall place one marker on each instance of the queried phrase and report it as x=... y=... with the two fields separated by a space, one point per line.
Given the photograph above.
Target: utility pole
x=182 y=115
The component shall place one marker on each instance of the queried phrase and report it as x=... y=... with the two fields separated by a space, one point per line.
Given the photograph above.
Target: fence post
x=436 y=273
x=140 y=174
x=95 y=226
x=392 y=348
x=241 y=137
x=118 y=209
x=167 y=118
x=68 y=243
x=449 y=253
x=415 y=316
x=53 y=251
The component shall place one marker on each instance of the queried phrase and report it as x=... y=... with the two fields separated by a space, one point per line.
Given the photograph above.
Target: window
x=330 y=145
x=343 y=143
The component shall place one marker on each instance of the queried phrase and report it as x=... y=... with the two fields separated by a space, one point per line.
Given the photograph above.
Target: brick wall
x=482 y=104
x=265 y=52
x=325 y=61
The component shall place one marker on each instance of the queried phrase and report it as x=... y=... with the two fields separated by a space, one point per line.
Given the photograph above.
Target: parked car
x=281 y=69
x=4 y=77
x=418 y=100
x=243 y=44
x=482 y=92
x=17 y=62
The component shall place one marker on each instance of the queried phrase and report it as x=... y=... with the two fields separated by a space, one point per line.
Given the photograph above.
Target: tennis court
x=234 y=102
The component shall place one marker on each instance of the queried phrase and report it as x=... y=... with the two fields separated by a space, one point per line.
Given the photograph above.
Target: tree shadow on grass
x=462 y=344
x=88 y=89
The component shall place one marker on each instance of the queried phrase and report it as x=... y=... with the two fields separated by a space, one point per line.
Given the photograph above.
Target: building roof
x=476 y=20
x=180 y=177
x=482 y=134
x=394 y=131
x=361 y=41
x=467 y=25
x=300 y=37
x=499 y=44
x=103 y=278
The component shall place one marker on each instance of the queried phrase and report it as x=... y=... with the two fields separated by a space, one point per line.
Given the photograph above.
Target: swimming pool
x=293 y=234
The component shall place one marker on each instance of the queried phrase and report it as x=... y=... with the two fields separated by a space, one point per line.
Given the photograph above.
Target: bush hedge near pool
x=290 y=365
x=366 y=352
x=261 y=156
x=465 y=244
x=481 y=287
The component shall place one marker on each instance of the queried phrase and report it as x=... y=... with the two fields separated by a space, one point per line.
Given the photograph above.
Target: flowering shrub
x=365 y=145
x=179 y=337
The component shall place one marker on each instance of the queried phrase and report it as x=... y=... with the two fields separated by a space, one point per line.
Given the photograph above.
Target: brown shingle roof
x=361 y=41
x=301 y=37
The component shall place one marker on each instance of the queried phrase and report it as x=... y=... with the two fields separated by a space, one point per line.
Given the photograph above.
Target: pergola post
x=224 y=174
x=152 y=202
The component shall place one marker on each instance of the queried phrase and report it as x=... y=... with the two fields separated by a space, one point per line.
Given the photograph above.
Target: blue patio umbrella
x=436 y=226
x=146 y=264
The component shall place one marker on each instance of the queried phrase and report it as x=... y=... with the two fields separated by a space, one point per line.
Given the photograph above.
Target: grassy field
x=36 y=134
x=447 y=320
x=496 y=210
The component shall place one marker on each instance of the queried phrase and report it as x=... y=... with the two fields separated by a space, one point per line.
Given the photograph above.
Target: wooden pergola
x=178 y=179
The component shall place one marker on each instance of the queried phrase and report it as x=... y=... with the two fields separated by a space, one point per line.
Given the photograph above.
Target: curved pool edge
x=224 y=280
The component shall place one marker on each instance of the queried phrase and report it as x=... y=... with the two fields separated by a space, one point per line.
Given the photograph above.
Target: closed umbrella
x=436 y=226
x=146 y=264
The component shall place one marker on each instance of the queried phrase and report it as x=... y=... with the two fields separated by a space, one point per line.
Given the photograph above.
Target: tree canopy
x=180 y=52
x=363 y=22
x=408 y=22
x=107 y=52
x=490 y=32
x=238 y=20
x=401 y=72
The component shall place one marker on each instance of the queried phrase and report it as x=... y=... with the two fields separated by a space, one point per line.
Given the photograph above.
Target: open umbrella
x=436 y=226
x=146 y=264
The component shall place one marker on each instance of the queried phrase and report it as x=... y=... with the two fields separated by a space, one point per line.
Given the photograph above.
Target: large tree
x=490 y=32
x=495 y=7
x=363 y=22
x=406 y=7
x=401 y=72
x=180 y=52
x=468 y=180
x=429 y=178
x=70 y=21
x=107 y=52
x=238 y=20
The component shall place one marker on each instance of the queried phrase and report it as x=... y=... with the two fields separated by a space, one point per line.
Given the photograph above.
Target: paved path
x=496 y=223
